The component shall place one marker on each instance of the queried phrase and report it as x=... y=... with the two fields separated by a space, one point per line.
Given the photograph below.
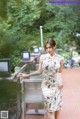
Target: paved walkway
x=71 y=96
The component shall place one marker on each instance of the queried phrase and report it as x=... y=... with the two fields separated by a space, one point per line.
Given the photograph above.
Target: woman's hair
x=51 y=42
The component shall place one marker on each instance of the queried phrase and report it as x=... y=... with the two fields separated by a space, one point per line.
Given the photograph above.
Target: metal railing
x=31 y=93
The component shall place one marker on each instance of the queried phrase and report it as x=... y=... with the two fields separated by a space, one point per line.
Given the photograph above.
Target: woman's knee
x=51 y=115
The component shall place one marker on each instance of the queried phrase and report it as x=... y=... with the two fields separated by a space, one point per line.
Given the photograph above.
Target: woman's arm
x=60 y=75
x=38 y=72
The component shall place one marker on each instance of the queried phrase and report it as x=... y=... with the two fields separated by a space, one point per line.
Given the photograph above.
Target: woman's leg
x=57 y=114
x=51 y=115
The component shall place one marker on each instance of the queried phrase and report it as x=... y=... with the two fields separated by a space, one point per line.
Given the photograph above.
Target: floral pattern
x=50 y=90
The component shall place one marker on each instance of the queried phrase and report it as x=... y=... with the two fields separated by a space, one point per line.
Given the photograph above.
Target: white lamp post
x=41 y=35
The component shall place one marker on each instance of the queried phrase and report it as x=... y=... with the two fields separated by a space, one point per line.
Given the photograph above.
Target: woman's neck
x=52 y=54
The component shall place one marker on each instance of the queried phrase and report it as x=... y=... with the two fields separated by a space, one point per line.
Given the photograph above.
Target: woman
x=51 y=66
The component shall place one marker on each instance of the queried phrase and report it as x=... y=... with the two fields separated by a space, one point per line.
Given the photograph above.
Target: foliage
x=9 y=91
x=20 y=22
x=15 y=61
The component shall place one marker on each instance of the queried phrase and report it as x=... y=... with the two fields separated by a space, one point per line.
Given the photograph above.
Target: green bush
x=9 y=93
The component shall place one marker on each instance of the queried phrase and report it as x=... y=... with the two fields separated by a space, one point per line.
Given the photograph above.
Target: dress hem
x=53 y=110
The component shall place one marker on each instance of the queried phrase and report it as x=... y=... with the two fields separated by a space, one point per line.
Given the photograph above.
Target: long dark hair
x=51 y=42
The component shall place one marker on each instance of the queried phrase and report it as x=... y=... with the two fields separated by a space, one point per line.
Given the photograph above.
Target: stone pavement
x=71 y=96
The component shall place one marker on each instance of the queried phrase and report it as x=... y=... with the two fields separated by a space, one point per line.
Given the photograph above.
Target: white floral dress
x=50 y=90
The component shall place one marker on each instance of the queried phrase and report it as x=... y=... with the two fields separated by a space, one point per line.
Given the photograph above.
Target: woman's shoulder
x=59 y=57
x=43 y=56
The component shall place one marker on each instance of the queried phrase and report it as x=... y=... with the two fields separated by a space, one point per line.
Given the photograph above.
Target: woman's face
x=50 y=49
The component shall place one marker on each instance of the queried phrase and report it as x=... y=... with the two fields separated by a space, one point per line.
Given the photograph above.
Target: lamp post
x=41 y=35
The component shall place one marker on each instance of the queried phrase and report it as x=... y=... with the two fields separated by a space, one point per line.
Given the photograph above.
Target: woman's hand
x=60 y=85
x=22 y=75
x=60 y=81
